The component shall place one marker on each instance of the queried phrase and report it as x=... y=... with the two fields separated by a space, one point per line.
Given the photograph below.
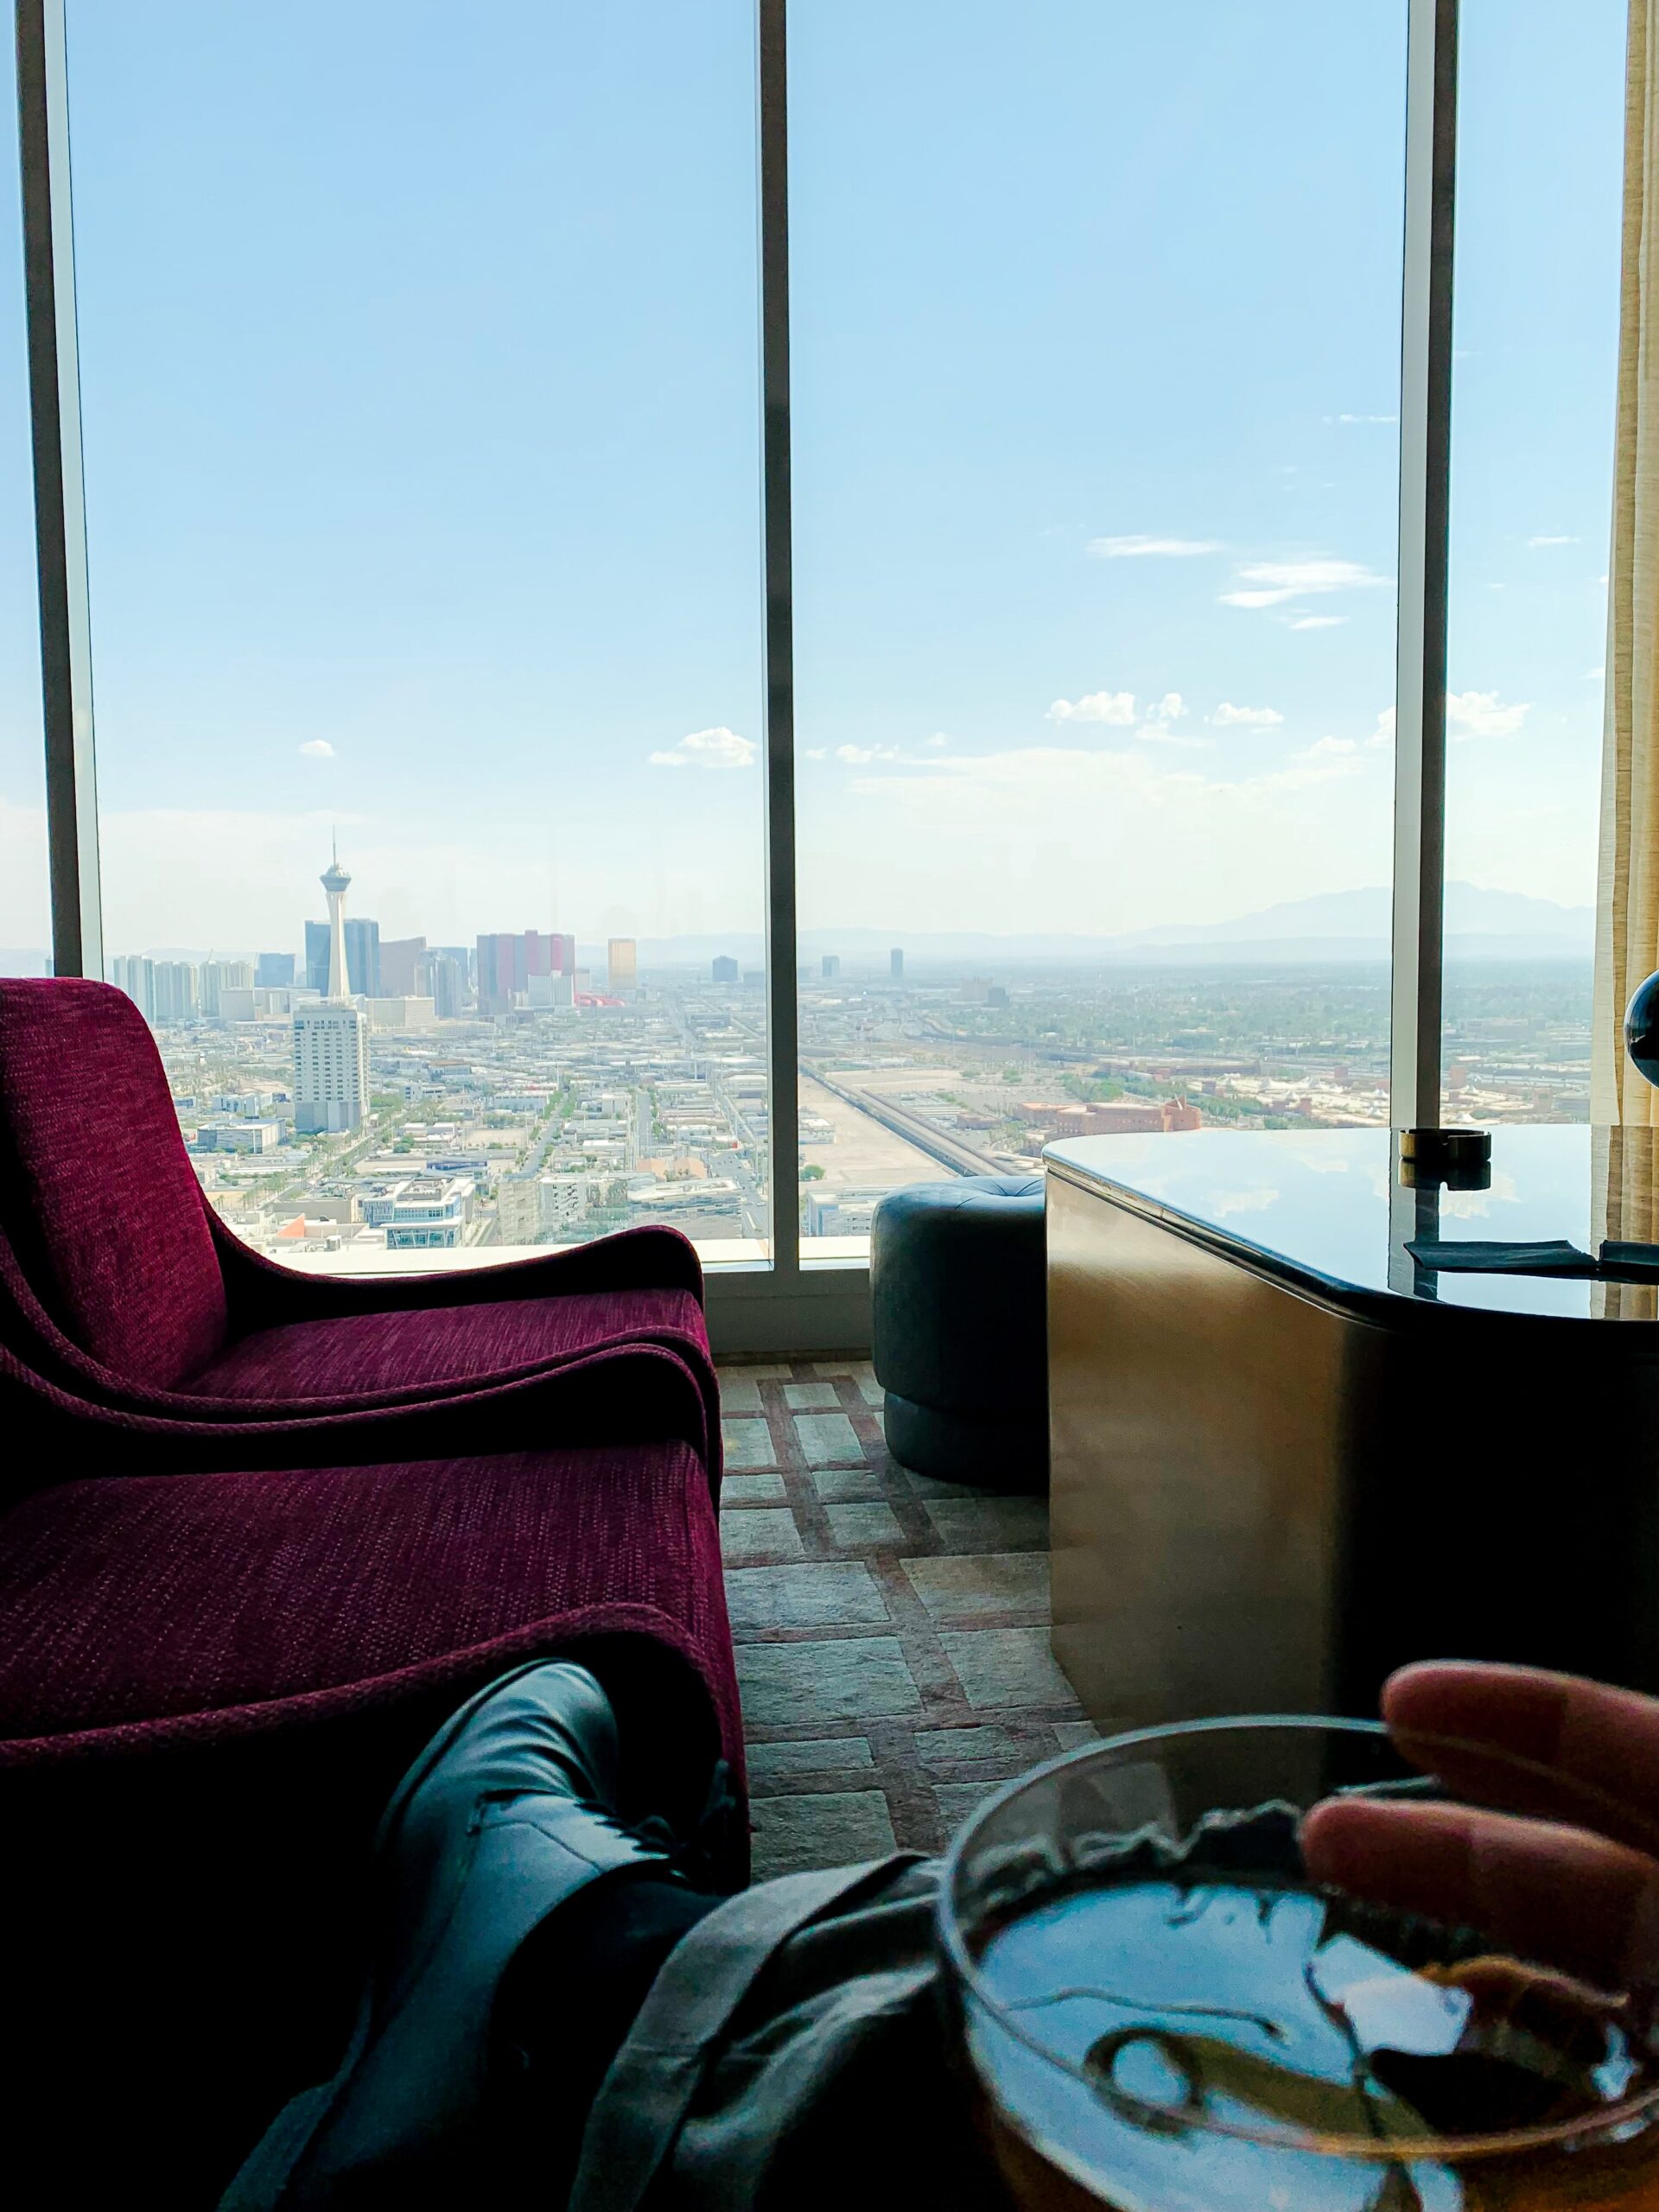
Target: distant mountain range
x=1336 y=926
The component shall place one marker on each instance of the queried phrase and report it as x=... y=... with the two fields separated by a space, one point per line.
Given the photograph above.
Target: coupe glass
x=1215 y=2033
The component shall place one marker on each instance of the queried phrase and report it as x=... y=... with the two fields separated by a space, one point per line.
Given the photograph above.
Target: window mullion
x=783 y=1023
x=59 y=506
x=1425 y=470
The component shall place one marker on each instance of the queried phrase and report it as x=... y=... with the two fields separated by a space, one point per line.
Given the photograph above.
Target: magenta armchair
x=395 y=1490
x=118 y=1283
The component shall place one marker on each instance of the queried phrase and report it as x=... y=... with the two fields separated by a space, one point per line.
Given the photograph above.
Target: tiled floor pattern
x=892 y=1631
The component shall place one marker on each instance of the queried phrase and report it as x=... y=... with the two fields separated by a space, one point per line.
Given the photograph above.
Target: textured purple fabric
x=209 y=1687
x=369 y=1354
x=97 y=1192
x=123 y=1604
x=623 y=1394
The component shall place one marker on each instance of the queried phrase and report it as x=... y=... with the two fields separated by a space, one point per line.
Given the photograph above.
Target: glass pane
x=25 y=904
x=1540 y=165
x=1096 y=386
x=422 y=438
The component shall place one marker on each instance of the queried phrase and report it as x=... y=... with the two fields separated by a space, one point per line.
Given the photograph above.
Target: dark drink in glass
x=1162 y=2013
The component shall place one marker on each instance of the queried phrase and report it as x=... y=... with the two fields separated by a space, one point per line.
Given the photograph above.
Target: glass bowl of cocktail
x=1161 y=2010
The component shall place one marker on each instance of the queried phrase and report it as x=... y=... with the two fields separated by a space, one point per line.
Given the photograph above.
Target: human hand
x=1557 y=1857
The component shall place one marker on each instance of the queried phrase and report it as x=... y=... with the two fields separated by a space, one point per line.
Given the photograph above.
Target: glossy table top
x=1326 y=1205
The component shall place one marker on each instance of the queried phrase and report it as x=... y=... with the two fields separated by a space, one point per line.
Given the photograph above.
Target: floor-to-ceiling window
x=423 y=382
x=422 y=460
x=25 y=911
x=1096 y=365
x=1540 y=145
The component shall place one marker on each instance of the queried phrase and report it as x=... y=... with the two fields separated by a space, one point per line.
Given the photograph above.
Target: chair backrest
x=98 y=1197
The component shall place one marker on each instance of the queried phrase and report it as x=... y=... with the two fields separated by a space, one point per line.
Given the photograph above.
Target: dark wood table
x=1285 y=1457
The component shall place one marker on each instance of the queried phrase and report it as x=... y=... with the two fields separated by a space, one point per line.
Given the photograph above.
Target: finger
x=1553 y=1894
x=1600 y=1745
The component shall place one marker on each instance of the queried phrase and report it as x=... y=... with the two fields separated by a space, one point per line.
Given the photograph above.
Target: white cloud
x=1270 y=583
x=1596 y=675
x=1362 y=418
x=317 y=748
x=1168 y=709
x=1115 y=707
x=817 y=753
x=708 y=748
x=1383 y=733
x=1134 y=549
x=937 y=742
x=1228 y=716
x=1317 y=622
x=1535 y=542
x=1479 y=713
x=1328 y=749
x=861 y=755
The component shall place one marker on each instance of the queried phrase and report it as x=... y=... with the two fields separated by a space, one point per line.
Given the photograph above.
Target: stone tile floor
x=892 y=1631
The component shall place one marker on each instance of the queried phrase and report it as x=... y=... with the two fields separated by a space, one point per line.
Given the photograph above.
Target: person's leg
x=507 y=1815
x=566 y=2005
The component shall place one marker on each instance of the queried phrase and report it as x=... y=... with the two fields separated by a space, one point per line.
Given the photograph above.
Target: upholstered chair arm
x=621 y=1394
x=263 y=1294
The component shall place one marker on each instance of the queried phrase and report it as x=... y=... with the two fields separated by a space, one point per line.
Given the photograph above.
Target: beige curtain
x=1624 y=1198
x=1627 y=902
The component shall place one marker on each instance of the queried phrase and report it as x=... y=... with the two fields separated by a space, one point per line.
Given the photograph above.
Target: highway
x=949 y=1152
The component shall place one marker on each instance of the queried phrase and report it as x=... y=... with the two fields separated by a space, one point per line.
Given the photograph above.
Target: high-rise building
x=622 y=962
x=448 y=977
x=331 y=1041
x=331 y=1068
x=173 y=990
x=335 y=884
x=316 y=958
x=832 y=963
x=726 y=969
x=360 y=947
x=403 y=968
x=495 y=971
x=363 y=959
x=136 y=976
x=896 y=964
x=550 y=954
x=274 y=971
x=218 y=976
x=507 y=960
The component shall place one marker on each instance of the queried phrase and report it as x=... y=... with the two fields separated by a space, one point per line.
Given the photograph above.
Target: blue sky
x=421 y=406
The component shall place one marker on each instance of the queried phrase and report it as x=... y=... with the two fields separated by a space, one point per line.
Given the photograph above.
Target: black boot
x=507 y=1813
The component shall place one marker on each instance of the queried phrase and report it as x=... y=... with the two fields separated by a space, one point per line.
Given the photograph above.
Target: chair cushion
x=360 y=1354
x=96 y=1193
x=129 y=1601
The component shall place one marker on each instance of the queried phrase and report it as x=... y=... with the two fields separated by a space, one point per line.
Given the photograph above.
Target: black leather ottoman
x=961 y=1341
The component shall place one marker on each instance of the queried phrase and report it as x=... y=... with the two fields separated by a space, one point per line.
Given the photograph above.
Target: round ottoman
x=960 y=1329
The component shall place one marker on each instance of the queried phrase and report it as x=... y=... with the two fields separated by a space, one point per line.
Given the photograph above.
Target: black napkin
x=1474 y=1255
x=1631 y=1262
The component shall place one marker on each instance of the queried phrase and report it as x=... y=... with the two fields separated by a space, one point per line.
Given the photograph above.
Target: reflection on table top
x=1326 y=1205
